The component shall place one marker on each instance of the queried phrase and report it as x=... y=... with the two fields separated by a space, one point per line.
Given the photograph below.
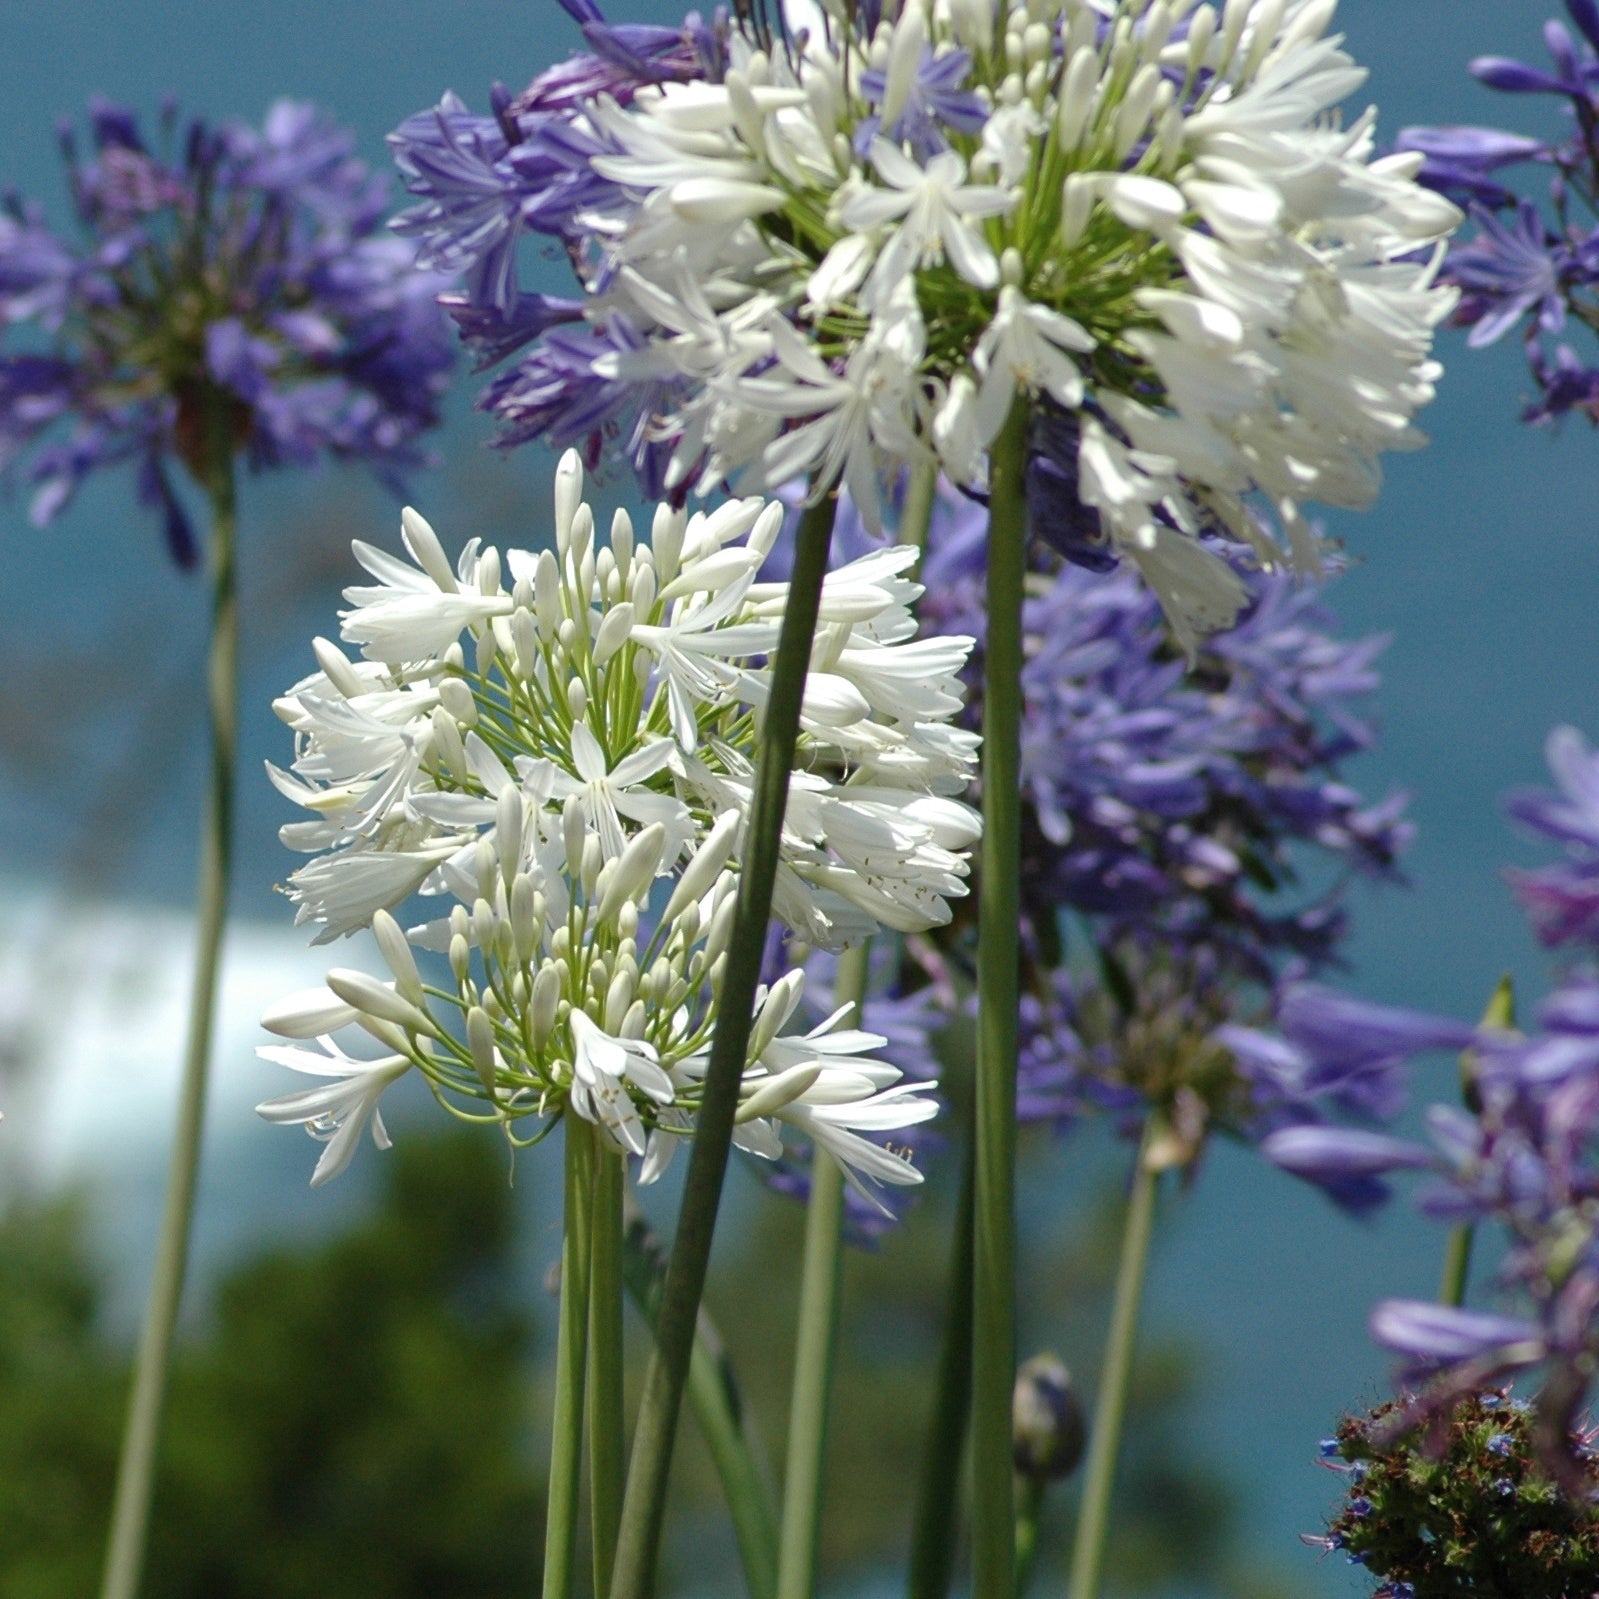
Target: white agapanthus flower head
x=847 y=251
x=559 y=746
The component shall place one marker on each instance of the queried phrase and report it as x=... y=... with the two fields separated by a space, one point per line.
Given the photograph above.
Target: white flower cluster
x=575 y=777
x=854 y=252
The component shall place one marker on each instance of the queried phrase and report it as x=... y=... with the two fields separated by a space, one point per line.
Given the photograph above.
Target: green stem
x=644 y=1505
x=571 y=1340
x=1457 y=1265
x=130 y=1510
x=607 y=1433
x=1110 y=1410
x=1501 y=1014
x=814 y=1342
x=921 y=495
x=998 y=913
x=937 y=1526
x=1029 y=1507
x=713 y=1395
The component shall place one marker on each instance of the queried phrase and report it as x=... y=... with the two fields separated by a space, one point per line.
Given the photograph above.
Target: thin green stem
x=1110 y=1410
x=644 y=1504
x=571 y=1341
x=607 y=1432
x=814 y=1342
x=130 y=1510
x=998 y=914
x=713 y=1396
x=921 y=495
x=936 y=1530
x=1029 y=1507
x=1457 y=1265
x=1501 y=1014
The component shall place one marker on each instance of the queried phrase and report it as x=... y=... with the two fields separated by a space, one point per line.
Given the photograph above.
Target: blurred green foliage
x=360 y=1417
x=351 y=1425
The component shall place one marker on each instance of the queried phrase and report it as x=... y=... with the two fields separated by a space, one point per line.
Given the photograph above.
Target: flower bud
x=480 y=1040
x=776 y=1092
x=524 y=916
x=568 y=496
x=378 y=1001
x=336 y=668
x=703 y=867
x=525 y=639
x=460 y=958
x=309 y=1014
x=577 y=699
x=573 y=831
x=666 y=538
x=456 y=698
x=508 y=830
x=447 y=741
x=423 y=543
x=485 y=924
x=635 y=867
x=1048 y=1430
x=397 y=953
x=613 y=632
x=542 y=1008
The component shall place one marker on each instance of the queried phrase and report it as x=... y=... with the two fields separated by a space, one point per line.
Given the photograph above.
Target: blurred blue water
x=1481 y=560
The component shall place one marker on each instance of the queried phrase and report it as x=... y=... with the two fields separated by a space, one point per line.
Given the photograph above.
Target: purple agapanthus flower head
x=1562 y=900
x=1528 y=267
x=229 y=289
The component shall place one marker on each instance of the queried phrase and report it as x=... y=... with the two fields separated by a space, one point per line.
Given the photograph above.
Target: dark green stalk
x=814 y=1342
x=1501 y=1013
x=998 y=914
x=1110 y=1409
x=1029 y=1507
x=921 y=494
x=607 y=1431
x=713 y=1396
x=130 y=1509
x=571 y=1351
x=936 y=1529
x=644 y=1504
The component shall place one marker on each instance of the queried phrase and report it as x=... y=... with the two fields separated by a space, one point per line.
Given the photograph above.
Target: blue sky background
x=1482 y=560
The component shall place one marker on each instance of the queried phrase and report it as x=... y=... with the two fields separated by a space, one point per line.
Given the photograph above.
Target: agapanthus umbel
x=247 y=264
x=1526 y=267
x=851 y=249
x=562 y=755
x=1562 y=900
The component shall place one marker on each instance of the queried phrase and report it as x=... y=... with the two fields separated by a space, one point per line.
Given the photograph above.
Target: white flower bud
x=423 y=543
x=776 y=1092
x=592 y=858
x=486 y=865
x=480 y=1040
x=636 y=1023
x=447 y=741
x=635 y=870
x=641 y=590
x=488 y=571
x=703 y=868
x=573 y=829
x=904 y=61
x=336 y=668
x=397 y=953
x=1077 y=95
x=618 y=997
x=721 y=931
x=456 y=698
x=781 y=998
x=378 y=1001
x=622 y=542
x=488 y=648
x=613 y=632
x=1201 y=30
x=542 y=1007
x=508 y=819
x=525 y=639
x=568 y=496
x=1076 y=206
x=309 y=1014
x=485 y=924
x=525 y=916
x=460 y=959
x=666 y=539
x=1132 y=116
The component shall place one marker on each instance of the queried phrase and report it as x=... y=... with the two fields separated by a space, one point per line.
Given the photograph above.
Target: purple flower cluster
x=1562 y=900
x=233 y=268
x=1169 y=815
x=1167 y=803
x=483 y=182
x=1527 y=267
x=1527 y=1158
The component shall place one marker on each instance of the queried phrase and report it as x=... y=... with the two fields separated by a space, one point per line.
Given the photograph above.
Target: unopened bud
x=456 y=698
x=447 y=741
x=397 y=953
x=508 y=830
x=666 y=538
x=1048 y=1430
x=613 y=632
x=703 y=868
x=336 y=668
x=573 y=831
x=568 y=496
x=423 y=543
x=524 y=916
x=577 y=699
x=460 y=958
x=480 y=1040
x=592 y=858
x=545 y=1002
x=377 y=1000
x=635 y=870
